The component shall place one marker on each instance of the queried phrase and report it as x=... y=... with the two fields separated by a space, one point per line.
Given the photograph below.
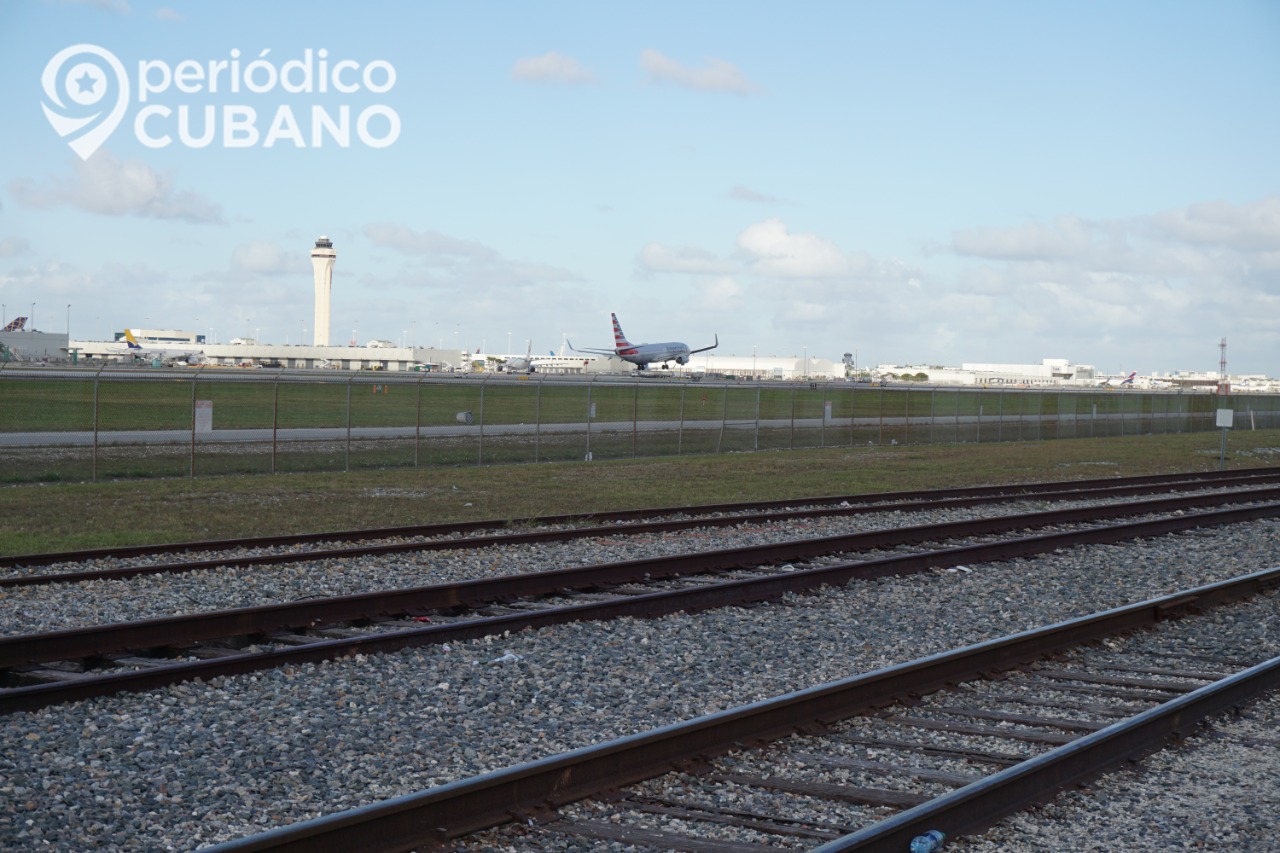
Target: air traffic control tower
x=322 y=259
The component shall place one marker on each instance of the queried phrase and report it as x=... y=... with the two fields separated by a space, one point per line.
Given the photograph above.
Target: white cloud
x=722 y=293
x=1100 y=287
x=11 y=246
x=443 y=261
x=109 y=186
x=1188 y=240
x=119 y=7
x=264 y=257
x=741 y=193
x=655 y=258
x=1066 y=237
x=716 y=76
x=1249 y=227
x=431 y=244
x=552 y=67
x=800 y=312
x=775 y=251
x=165 y=14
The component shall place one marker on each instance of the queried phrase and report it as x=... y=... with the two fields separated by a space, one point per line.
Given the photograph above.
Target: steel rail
x=981 y=804
x=1206 y=479
x=573 y=533
x=728 y=593
x=97 y=641
x=428 y=819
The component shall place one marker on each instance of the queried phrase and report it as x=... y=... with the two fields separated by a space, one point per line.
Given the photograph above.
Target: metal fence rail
x=119 y=423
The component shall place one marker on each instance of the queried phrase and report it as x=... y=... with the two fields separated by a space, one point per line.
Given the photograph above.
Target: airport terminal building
x=386 y=355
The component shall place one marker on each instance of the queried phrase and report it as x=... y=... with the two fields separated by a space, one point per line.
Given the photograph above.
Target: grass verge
x=71 y=516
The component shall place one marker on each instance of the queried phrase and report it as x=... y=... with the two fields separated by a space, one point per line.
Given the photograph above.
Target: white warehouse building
x=1049 y=372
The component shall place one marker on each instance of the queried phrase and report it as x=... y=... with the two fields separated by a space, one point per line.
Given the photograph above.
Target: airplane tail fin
x=15 y=325
x=131 y=340
x=620 y=341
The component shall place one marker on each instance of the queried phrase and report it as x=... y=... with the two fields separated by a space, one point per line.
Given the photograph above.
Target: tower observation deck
x=322 y=260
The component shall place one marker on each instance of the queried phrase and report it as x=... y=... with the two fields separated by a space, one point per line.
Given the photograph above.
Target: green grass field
x=691 y=418
x=62 y=404
x=68 y=516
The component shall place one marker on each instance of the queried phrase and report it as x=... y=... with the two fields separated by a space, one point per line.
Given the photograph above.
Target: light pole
x=68 y=324
x=32 y=318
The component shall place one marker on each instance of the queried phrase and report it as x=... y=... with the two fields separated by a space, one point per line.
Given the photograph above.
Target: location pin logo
x=89 y=92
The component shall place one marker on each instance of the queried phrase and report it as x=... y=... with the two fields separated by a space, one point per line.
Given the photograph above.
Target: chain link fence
x=78 y=425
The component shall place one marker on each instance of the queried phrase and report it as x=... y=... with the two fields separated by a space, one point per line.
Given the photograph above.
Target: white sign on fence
x=204 y=416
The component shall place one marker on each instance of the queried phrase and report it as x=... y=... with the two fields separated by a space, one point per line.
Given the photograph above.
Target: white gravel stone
x=189 y=765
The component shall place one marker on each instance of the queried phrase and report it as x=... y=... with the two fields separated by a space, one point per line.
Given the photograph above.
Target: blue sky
x=916 y=182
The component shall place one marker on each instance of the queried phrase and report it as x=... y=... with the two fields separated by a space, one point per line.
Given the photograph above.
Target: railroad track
x=127 y=562
x=52 y=667
x=948 y=743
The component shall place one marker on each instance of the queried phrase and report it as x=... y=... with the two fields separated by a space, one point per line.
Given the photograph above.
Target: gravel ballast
x=177 y=768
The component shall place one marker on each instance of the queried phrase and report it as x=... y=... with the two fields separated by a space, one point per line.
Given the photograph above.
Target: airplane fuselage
x=642 y=355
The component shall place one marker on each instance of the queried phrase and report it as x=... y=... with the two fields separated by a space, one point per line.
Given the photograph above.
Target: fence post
x=1040 y=417
x=906 y=413
x=1000 y=415
x=880 y=416
x=822 y=421
x=537 y=419
x=275 y=420
x=347 y=462
x=955 y=399
x=791 y=439
x=724 y=414
x=982 y=409
x=484 y=384
x=192 y=472
x=417 y=421
x=755 y=443
x=680 y=429
x=590 y=386
x=933 y=411
x=96 y=379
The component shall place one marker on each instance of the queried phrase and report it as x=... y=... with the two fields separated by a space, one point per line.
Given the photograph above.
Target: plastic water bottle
x=928 y=843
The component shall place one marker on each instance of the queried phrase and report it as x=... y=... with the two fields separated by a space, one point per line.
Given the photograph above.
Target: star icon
x=86 y=82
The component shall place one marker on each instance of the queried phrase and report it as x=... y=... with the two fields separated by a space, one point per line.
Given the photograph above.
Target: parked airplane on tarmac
x=642 y=355
x=1117 y=382
x=136 y=349
x=517 y=364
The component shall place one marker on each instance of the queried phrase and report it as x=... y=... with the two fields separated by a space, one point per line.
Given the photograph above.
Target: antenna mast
x=1224 y=387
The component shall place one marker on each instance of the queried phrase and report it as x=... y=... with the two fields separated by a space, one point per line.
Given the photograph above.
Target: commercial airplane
x=518 y=364
x=1116 y=383
x=138 y=351
x=642 y=355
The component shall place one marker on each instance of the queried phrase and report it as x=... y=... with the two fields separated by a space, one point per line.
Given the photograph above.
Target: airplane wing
x=704 y=349
x=595 y=351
